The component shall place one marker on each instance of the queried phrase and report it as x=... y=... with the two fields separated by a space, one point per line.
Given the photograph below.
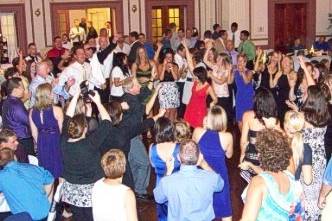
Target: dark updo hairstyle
x=274 y=151
x=163 y=54
x=76 y=126
x=264 y=104
x=115 y=111
x=201 y=74
x=164 y=130
x=315 y=108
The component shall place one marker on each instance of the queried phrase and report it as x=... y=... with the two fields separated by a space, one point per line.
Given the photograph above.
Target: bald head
x=42 y=69
x=229 y=45
x=103 y=42
x=189 y=152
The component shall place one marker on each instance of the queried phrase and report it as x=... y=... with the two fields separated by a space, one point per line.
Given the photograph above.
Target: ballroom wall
x=249 y=14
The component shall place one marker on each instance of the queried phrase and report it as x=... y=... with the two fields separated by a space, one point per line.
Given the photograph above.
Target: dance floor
x=147 y=210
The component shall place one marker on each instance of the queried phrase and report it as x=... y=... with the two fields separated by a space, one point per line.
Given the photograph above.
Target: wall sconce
x=37 y=12
x=134 y=8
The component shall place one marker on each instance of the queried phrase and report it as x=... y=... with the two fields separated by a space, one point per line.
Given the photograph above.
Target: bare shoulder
x=226 y=136
x=248 y=115
x=198 y=132
x=130 y=195
x=57 y=111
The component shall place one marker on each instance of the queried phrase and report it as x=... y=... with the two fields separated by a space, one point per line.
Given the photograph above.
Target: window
x=7 y=23
x=99 y=16
x=174 y=16
x=63 y=22
x=157 y=24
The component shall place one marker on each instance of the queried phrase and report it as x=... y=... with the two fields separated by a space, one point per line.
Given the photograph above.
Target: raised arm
x=150 y=103
x=156 y=55
x=72 y=105
x=258 y=59
x=188 y=57
x=102 y=110
x=274 y=81
x=308 y=76
x=206 y=55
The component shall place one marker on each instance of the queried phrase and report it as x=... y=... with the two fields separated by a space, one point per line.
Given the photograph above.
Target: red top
x=54 y=52
x=196 y=109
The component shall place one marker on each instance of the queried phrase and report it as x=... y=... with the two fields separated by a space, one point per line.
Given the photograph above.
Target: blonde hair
x=216 y=119
x=113 y=163
x=294 y=123
x=181 y=131
x=43 y=96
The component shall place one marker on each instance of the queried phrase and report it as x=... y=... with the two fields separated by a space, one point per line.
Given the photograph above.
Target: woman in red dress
x=197 y=109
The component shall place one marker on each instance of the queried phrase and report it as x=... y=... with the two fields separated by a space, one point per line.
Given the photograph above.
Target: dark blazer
x=133 y=51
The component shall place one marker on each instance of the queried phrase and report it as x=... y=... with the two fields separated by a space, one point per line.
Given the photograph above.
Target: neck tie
x=78 y=32
x=233 y=39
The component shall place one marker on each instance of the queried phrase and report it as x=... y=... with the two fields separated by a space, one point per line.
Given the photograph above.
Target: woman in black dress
x=281 y=82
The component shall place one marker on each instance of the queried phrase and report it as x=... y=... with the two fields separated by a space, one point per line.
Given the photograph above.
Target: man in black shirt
x=138 y=158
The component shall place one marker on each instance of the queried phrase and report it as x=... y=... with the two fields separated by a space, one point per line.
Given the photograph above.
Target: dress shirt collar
x=188 y=168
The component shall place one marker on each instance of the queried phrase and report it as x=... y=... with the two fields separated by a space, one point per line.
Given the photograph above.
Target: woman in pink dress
x=197 y=109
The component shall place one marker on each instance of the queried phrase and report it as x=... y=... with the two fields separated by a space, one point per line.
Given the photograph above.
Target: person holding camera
x=81 y=156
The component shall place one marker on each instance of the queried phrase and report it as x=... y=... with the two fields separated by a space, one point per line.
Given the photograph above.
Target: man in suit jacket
x=134 y=45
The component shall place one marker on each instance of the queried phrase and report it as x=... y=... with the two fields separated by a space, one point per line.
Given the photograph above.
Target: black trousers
x=226 y=103
x=81 y=213
x=182 y=108
x=28 y=146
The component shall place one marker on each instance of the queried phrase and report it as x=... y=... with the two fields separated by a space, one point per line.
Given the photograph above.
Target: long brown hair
x=315 y=108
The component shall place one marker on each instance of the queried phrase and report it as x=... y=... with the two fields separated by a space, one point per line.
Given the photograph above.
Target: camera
x=85 y=91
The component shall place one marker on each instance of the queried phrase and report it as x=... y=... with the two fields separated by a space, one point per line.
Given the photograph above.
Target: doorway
x=64 y=14
x=13 y=29
x=291 y=19
x=162 y=13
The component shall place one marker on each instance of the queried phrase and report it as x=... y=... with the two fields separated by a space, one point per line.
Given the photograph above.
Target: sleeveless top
x=221 y=90
x=109 y=201
x=159 y=164
x=168 y=77
x=277 y=206
x=144 y=73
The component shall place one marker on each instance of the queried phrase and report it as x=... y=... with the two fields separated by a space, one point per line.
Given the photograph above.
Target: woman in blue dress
x=244 y=89
x=46 y=124
x=216 y=144
x=165 y=149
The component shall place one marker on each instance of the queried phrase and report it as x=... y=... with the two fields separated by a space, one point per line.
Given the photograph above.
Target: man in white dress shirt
x=122 y=46
x=97 y=78
x=76 y=73
x=77 y=33
x=234 y=35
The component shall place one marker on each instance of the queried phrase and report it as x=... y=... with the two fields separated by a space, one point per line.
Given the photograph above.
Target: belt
x=189 y=79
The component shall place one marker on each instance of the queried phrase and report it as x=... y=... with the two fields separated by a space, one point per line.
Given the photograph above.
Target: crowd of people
x=72 y=122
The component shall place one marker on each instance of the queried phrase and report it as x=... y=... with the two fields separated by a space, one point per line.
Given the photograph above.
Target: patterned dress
x=314 y=137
